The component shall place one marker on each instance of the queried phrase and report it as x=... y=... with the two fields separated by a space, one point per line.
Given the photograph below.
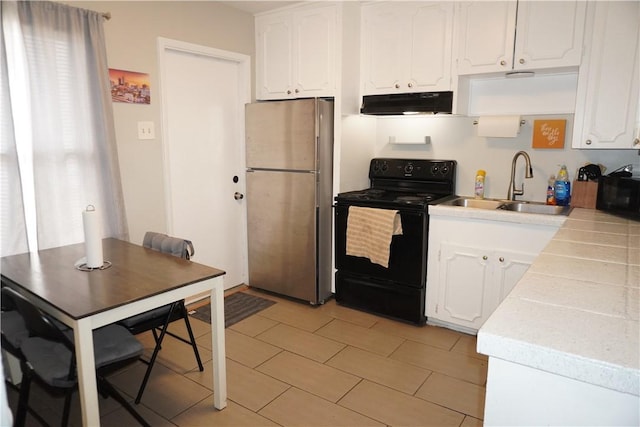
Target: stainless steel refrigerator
x=289 y=149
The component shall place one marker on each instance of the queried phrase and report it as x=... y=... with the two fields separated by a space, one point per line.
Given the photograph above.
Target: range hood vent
x=407 y=103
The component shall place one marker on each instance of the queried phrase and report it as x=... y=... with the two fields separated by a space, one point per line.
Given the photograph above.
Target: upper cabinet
x=506 y=36
x=296 y=53
x=406 y=47
x=607 y=111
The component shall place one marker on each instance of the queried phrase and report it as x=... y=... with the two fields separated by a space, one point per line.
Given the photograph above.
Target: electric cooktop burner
x=409 y=199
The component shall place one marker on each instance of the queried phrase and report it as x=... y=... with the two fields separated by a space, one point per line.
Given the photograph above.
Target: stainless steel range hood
x=407 y=103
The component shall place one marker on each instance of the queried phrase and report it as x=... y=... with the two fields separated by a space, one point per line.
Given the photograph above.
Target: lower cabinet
x=474 y=264
x=473 y=281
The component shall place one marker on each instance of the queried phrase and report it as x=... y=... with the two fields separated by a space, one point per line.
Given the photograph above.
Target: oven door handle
x=400 y=211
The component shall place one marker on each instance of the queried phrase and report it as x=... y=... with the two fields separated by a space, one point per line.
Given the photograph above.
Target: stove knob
x=376 y=166
x=408 y=168
x=444 y=169
x=435 y=169
x=385 y=167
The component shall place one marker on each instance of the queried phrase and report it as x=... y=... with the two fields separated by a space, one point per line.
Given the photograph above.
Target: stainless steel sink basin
x=476 y=203
x=508 y=205
x=536 y=208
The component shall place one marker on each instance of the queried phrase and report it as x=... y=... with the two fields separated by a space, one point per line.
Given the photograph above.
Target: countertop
x=576 y=311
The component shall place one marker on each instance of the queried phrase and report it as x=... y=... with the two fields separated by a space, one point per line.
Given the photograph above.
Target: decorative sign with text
x=548 y=133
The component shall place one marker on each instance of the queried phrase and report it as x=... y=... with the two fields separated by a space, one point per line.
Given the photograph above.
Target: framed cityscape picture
x=129 y=86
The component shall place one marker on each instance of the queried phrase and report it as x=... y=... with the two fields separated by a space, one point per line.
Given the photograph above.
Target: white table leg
x=85 y=358
x=218 y=345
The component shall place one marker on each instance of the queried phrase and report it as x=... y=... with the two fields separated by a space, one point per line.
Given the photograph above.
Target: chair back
x=175 y=246
x=37 y=322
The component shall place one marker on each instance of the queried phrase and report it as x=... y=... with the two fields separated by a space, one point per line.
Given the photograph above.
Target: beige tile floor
x=297 y=365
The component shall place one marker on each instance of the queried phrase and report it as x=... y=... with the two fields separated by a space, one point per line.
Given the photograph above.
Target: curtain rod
x=106 y=15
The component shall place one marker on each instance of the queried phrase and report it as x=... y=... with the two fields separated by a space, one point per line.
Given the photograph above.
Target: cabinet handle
x=484 y=257
x=397 y=86
x=297 y=90
x=288 y=92
x=521 y=60
x=501 y=259
x=503 y=62
x=588 y=142
x=410 y=85
x=636 y=141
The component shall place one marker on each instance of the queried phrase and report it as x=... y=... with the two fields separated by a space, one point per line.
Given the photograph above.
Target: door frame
x=243 y=61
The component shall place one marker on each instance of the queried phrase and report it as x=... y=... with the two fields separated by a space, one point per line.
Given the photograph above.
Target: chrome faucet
x=513 y=192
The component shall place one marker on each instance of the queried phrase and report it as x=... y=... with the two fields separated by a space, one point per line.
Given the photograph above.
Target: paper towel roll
x=499 y=126
x=92 y=237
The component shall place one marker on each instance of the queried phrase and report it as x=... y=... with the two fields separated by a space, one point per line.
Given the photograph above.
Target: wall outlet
x=146 y=130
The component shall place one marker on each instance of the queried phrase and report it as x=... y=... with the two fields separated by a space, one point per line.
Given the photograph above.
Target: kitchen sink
x=475 y=203
x=537 y=208
x=508 y=205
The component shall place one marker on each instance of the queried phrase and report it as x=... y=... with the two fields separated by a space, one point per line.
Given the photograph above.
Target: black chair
x=158 y=319
x=14 y=332
x=48 y=355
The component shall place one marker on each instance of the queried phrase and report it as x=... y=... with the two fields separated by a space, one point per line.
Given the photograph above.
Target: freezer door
x=281 y=134
x=281 y=221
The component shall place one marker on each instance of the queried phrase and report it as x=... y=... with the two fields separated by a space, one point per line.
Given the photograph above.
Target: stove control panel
x=416 y=169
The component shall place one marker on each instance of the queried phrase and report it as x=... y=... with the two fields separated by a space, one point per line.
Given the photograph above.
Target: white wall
x=131 y=37
x=454 y=137
x=131 y=45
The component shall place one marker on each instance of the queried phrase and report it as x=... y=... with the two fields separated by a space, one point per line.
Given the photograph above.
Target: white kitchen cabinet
x=406 y=47
x=505 y=36
x=296 y=53
x=607 y=103
x=473 y=264
x=473 y=281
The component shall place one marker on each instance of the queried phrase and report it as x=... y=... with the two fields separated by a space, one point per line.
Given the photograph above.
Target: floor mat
x=237 y=307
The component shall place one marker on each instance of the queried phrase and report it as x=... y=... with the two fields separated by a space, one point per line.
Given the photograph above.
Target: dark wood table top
x=136 y=273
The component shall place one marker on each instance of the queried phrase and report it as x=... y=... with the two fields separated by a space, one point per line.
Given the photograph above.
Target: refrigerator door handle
x=281 y=170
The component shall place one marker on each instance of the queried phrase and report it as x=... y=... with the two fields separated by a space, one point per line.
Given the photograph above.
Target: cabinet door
x=509 y=269
x=608 y=84
x=465 y=293
x=274 y=56
x=384 y=48
x=549 y=34
x=486 y=32
x=406 y=47
x=315 y=51
x=430 y=26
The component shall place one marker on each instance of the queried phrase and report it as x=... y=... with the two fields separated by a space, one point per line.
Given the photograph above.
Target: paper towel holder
x=81 y=265
x=522 y=122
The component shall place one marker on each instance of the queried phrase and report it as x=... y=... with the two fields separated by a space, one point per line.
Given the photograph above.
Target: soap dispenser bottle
x=551 y=190
x=479 y=185
x=563 y=187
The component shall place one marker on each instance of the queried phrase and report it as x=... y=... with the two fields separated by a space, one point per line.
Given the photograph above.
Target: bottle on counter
x=551 y=190
x=563 y=187
x=479 y=185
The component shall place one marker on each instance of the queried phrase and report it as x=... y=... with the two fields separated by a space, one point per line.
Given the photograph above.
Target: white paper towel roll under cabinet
x=499 y=126
x=92 y=237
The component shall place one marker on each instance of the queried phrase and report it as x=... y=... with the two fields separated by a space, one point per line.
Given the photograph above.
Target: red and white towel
x=369 y=233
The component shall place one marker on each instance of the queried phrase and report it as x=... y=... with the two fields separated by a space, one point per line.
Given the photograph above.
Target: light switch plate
x=146 y=130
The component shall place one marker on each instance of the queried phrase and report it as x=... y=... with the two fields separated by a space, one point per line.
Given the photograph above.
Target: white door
x=203 y=95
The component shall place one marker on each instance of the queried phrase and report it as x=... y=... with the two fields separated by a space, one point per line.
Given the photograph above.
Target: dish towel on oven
x=369 y=233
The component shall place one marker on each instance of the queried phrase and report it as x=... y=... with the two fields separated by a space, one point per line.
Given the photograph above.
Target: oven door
x=408 y=256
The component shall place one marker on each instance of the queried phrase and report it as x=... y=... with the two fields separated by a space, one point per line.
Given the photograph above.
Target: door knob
x=238 y=196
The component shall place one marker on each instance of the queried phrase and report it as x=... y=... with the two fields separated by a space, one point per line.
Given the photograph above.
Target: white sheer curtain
x=58 y=152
